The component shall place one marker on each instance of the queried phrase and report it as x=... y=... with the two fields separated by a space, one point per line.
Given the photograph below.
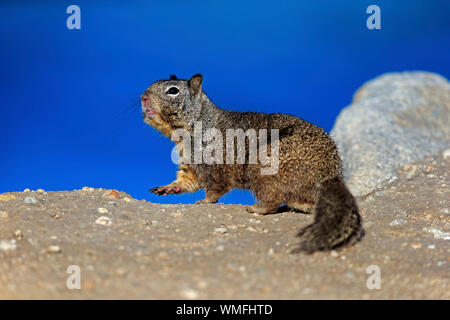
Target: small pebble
x=416 y=245
x=40 y=190
x=334 y=254
x=3 y=214
x=431 y=246
x=102 y=210
x=104 y=221
x=54 y=249
x=220 y=230
x=220 y=248
x=412 y=171
x=177 y=213
x=446 y=154
x=126 y=199
x=30 y=200
x=121 y=272
x=154 y=222
x=8 y=245
x=189 y=294
x=18 y=235
x=397 y=222
x=26 y=190
x=87 y=189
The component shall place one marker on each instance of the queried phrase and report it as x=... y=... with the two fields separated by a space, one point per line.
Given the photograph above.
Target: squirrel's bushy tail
x=336 y=219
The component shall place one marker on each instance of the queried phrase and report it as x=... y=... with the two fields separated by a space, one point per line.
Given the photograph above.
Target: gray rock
x=394 y=119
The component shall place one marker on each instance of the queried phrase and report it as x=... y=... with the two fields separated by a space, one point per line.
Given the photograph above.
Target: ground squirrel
x=309 y=174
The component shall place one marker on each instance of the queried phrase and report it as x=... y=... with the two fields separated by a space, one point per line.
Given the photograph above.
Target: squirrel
x=309 y=176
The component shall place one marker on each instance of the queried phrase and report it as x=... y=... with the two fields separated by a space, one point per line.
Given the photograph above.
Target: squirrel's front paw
x=165 y=190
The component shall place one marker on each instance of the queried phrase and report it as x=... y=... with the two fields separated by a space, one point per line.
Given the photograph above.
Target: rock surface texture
x=155 y=251
x=394 y=119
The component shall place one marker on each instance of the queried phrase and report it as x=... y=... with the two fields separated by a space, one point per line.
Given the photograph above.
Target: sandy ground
x=155 y=251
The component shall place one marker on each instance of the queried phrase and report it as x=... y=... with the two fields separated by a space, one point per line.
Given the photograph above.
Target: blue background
x=68 y=98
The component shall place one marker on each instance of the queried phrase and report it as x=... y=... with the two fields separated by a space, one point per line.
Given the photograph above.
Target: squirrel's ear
x=195 y=84
x=173 y=77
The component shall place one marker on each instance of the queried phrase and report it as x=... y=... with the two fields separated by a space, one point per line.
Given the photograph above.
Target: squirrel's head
x=172 y=104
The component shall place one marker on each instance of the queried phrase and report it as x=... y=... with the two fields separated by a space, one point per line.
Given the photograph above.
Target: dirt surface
x=155 y=251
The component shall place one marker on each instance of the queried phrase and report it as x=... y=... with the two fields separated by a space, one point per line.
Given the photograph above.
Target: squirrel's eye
x=172 y=90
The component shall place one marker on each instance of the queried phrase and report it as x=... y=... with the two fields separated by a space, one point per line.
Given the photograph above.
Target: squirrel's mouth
x=147 y=109
x=149 y=113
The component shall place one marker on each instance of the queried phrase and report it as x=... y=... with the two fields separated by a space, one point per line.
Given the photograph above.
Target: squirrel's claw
x=153 y=190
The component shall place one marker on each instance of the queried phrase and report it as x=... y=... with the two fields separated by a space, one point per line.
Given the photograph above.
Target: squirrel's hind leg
x=301 y=206
x=269 y=200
